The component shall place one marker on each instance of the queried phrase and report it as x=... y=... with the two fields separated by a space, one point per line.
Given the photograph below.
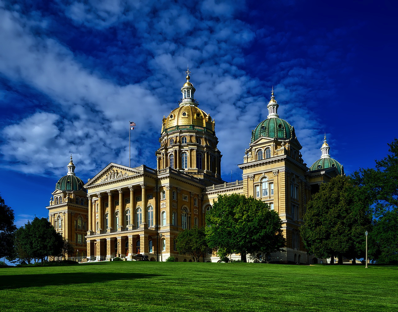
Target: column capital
x=109 y=193
x=131 y=188
x=143 y=185
x=99 y=195
x=120 y=191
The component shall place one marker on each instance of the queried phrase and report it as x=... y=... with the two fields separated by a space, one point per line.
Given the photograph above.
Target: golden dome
x=187 y=117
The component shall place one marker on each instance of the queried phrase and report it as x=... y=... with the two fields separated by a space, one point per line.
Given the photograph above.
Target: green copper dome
x=69 y=183
x=325 y=163
x=273 y=128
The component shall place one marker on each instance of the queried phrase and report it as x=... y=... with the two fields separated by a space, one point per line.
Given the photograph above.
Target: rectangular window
x=174 y=195
x=196 y=222
x=271 y=206
x=163 y=194
x=138 y=198
x=293 y=208
x=195 y=201
x=163 y=218
x=258 y=191
x=271 y=188
x=296 y=193
x=174 y=219
x=79 y=238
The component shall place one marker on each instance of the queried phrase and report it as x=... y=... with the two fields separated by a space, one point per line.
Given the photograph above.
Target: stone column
x=177 y=159
x=144 y=202
x=89 y=214
x=98 y=253
x=169 y=211
x=88 y=250
x=205 y=155
x=108 y=248
x=100 y=214
x=110 y=212
x=156 y=207
x=64 y=226
x=143 y=244
x=130 y=238
x=121 y=210
x=132 y=208
x=119 y=246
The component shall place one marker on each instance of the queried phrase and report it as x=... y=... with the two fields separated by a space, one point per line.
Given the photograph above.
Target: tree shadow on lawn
x=57 y=279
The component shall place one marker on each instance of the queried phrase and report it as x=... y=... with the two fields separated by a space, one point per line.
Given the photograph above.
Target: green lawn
x=151 y=286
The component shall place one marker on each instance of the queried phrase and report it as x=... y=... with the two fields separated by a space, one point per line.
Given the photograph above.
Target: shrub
x=3 y=264
x=117 y=259
x=225 y=259
x=170 y=259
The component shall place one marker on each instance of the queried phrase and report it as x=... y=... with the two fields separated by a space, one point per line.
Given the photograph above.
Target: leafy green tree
x=192 y=242
x=381 y=185
x=243 y=225
x=336 y=220
x=37 y=240
x=7 y=229
x=383 y=241
x=67 y=249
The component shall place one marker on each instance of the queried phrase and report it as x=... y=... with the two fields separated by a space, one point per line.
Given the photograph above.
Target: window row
x=267 y=154
x=199 y=161
x=264 y=189
x=184 y=141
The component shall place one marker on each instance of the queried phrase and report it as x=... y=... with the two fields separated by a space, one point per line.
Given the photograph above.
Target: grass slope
x=151 y=286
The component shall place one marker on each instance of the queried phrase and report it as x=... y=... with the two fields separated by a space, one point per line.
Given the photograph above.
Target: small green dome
x=69 y=183
x=273 y=128
x=325 y=163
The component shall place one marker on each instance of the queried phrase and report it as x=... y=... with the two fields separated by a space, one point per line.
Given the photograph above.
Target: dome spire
x=71 y=167
x=188 y=91
x=325 y=148
x=272 y=106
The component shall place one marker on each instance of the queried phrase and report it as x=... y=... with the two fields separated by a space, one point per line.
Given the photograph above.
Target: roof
x=273 y=128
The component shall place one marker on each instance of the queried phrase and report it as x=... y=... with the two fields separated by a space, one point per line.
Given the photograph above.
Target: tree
x=243 y=225
x=192 y=242
x=67 y=249
x=37 y=240
x=7 y=229
x=381 y=185
x=336 y=220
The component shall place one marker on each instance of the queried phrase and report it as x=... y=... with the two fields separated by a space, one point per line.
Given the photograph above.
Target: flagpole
x=129 y=145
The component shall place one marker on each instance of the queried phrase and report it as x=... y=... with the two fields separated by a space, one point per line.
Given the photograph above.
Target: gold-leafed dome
x=188 y=117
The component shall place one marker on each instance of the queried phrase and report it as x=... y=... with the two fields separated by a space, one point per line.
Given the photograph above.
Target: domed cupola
x=273 y=126
x=188 y=142
x=70 y=182
x=326 y=161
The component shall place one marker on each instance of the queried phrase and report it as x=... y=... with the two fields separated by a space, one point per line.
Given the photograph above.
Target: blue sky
x=73 y=73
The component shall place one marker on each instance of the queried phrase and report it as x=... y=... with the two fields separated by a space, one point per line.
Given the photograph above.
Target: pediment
x=113 y=172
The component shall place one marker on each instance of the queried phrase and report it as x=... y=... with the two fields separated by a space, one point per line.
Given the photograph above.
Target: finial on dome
x=325 y=148
x=71 y=167
x=272 y=106
x=188 y=72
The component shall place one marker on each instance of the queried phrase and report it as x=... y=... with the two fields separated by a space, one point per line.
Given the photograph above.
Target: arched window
x=259 y=155
x=60 y=200
x=267 y=153
x=171 y=142
x=163 y=244
x=184 y=140
x=127 y=217
x=185 y=94
x=79 y=223
x=59 y=223
x=150 y=247
x=163 y=218
x=150 y=216
x=171 y=161
x=138 y=217
x=184 y=160
x=106 y=221
x=184 y=218
x=56 y=200
x=199 y=160
x=264 y=187
x=116 y=219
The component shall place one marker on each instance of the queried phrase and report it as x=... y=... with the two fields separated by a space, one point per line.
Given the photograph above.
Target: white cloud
x=91 y=111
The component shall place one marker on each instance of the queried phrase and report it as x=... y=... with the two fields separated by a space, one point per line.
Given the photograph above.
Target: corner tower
x=188 y=142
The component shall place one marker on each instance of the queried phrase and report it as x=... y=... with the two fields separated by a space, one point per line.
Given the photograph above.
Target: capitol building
x=124 y=211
